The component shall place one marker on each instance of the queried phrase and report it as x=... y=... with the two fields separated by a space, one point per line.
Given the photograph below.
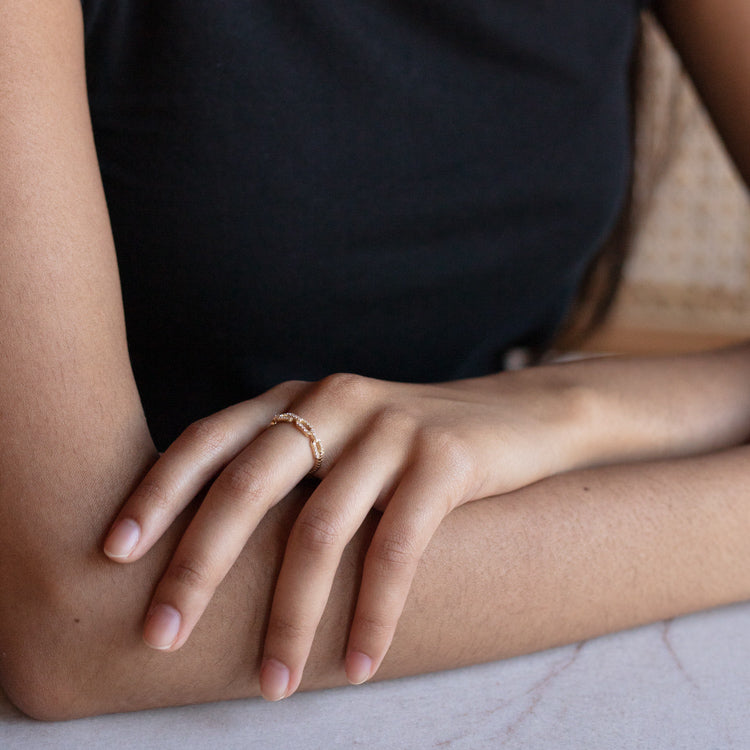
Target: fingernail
x=122 y=539
x=274 y=680
x=358 y=668
x=162 y=626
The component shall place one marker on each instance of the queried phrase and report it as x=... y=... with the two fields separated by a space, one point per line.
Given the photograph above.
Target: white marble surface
x=682 y=684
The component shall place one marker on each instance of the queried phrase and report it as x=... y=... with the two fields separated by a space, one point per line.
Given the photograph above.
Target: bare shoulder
x=711 y=37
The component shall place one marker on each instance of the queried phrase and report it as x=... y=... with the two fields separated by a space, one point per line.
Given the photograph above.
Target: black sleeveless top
x=399 y=188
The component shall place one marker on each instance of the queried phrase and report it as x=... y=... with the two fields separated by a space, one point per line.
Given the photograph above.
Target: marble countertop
x=678 y=684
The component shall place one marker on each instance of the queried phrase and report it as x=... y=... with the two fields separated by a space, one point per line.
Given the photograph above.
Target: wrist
x=624 y=409
x=555 y=410
x=572 y=409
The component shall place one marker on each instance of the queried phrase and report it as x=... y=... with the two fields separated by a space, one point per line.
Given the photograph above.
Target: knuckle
x=289 y=388
x=246 y=479
x=286 y=629
x=395 y=551
x=189 y=573
x=317 y=531
x=154 y=496
x=207 y=436
x=346 y=388
x=373 y=626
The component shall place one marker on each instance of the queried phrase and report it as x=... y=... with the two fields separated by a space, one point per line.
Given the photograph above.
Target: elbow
x=31 y=694
x=69 y=627
x=41 y=669
x=71 y=644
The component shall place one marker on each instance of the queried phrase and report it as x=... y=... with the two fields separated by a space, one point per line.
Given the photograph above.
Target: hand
x=413 y=452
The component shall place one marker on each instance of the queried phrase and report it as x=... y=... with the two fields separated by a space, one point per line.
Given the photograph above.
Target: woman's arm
x=711 y=37
x=73 y=437
x=563 y=560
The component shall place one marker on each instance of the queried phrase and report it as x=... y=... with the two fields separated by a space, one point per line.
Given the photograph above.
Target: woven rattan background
x=687 y=281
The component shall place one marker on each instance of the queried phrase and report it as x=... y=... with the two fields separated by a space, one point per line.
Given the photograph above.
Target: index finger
x=185 y=468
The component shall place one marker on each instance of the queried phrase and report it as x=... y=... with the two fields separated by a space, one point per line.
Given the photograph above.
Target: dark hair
x=652 y=124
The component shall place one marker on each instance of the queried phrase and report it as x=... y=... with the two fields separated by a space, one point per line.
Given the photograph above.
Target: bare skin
x=568 y=557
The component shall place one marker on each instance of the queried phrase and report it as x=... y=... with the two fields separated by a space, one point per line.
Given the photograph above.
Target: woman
x=404 y=190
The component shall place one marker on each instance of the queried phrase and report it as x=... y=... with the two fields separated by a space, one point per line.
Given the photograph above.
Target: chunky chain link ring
x=306 y=429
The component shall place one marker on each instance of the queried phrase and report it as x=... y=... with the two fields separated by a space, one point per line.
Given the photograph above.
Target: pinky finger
x=413 y=515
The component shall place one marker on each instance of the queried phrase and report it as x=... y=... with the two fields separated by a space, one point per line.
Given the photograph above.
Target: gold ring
x=306 y=429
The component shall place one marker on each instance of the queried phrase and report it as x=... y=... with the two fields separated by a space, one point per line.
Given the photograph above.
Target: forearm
x=565 y=559
x=633 y=408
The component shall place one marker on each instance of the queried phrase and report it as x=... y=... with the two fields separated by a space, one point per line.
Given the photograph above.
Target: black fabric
x=399 y=188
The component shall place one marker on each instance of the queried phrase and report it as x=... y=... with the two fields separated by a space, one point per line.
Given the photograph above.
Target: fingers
x=326 y=524
x=409 y=522
x=254 y=481
x=184 y=469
